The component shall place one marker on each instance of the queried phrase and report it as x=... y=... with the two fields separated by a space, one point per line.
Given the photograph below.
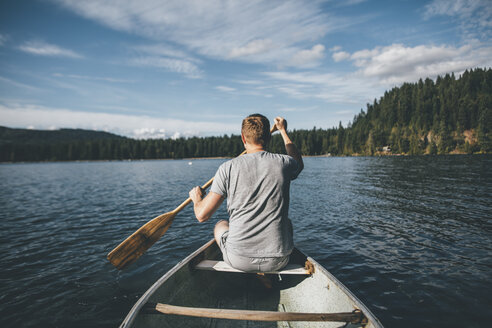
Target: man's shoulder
x=226 y=164
x=282 y=157
x=260 y=156
x=289 y=163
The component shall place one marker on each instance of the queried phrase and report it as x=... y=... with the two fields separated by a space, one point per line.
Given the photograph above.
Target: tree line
x=448 y=115
x=427 y=117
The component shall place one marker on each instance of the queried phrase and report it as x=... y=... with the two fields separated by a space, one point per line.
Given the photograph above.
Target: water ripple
x=410 y=236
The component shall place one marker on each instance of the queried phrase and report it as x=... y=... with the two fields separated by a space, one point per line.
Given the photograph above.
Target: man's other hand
x=280 y=123
x=196 y=194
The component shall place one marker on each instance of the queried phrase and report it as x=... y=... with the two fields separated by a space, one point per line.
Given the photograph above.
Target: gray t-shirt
x=257 y=189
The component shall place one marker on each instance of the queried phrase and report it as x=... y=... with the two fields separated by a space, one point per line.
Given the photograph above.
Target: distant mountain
x=28 y=136
x=25 y=145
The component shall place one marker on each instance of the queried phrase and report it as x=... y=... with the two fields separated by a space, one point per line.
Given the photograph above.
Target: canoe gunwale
x=198 y=255
x=145 y=297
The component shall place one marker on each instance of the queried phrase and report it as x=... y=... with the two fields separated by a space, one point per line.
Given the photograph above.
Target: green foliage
x=432 y=148
x=404 y=116
x=425 y=117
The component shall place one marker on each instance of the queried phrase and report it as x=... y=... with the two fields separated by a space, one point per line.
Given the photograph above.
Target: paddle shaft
x=355 y=317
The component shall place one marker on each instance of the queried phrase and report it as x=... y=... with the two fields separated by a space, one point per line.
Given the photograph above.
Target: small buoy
x=190 y=163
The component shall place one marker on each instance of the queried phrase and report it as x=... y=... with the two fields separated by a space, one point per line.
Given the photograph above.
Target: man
x=258 y=236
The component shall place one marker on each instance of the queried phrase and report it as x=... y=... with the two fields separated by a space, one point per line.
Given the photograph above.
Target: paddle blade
x=140 y=241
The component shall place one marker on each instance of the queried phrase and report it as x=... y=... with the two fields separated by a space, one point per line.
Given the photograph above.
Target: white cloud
x=41 y=48
x=396 y=63
x=252 y=48
x=137 y=126
x=150 y=133
x=366 y=53
x=231 y=30
x=170 y=64
x=379 y=69
x=251 y=82
x=164 y=50
x=474 y=17
x=330 y=87
x=308 y=58
x=341 y=55
x=225 y=89
x=176 y=135
x=453 y=8
x=168 y=58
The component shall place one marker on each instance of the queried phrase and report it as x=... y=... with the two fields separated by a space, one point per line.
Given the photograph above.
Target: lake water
x=410 y=236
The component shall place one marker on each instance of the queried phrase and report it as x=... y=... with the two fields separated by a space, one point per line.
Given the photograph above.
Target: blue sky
x=181 y=68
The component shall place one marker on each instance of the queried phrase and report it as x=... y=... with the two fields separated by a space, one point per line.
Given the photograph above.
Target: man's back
x=257 y=190
x=258 y=237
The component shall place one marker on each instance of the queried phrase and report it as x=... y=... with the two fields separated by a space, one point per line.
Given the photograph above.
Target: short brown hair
x=256 y=129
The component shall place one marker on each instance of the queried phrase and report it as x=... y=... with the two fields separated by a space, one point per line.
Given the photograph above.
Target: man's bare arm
x=290 y=147
x=205 y=207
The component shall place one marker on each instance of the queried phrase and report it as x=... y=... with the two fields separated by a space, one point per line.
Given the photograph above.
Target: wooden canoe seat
x=212 y=265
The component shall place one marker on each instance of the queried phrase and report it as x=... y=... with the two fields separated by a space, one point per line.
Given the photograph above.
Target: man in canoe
x=258 y=235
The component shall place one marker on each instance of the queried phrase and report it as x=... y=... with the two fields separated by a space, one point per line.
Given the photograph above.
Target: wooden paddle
x=140 y=241
x=356 y=317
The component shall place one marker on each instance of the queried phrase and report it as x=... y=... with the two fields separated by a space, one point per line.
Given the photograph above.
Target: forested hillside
x=46 y=145
x=448 y=115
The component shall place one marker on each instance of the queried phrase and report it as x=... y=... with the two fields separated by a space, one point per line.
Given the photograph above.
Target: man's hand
x=196 y=194
x=204 y=207
x=280 y=123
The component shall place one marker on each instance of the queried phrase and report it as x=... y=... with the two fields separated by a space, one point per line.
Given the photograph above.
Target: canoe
x=203 y=291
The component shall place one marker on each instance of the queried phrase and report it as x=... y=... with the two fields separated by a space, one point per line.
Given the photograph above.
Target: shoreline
x=225 y=157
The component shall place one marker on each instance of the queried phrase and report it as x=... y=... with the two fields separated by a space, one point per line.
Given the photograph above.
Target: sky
x=167 y=69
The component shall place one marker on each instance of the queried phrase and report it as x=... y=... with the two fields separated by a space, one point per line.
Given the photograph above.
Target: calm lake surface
x=410 y=236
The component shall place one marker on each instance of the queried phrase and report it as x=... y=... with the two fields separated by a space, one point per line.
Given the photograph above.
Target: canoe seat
x=212 y=265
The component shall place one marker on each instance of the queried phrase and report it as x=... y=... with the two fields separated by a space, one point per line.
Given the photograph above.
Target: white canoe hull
x=186 y=286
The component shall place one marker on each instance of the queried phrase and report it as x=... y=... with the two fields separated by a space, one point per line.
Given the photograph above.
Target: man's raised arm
x=290 y=147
